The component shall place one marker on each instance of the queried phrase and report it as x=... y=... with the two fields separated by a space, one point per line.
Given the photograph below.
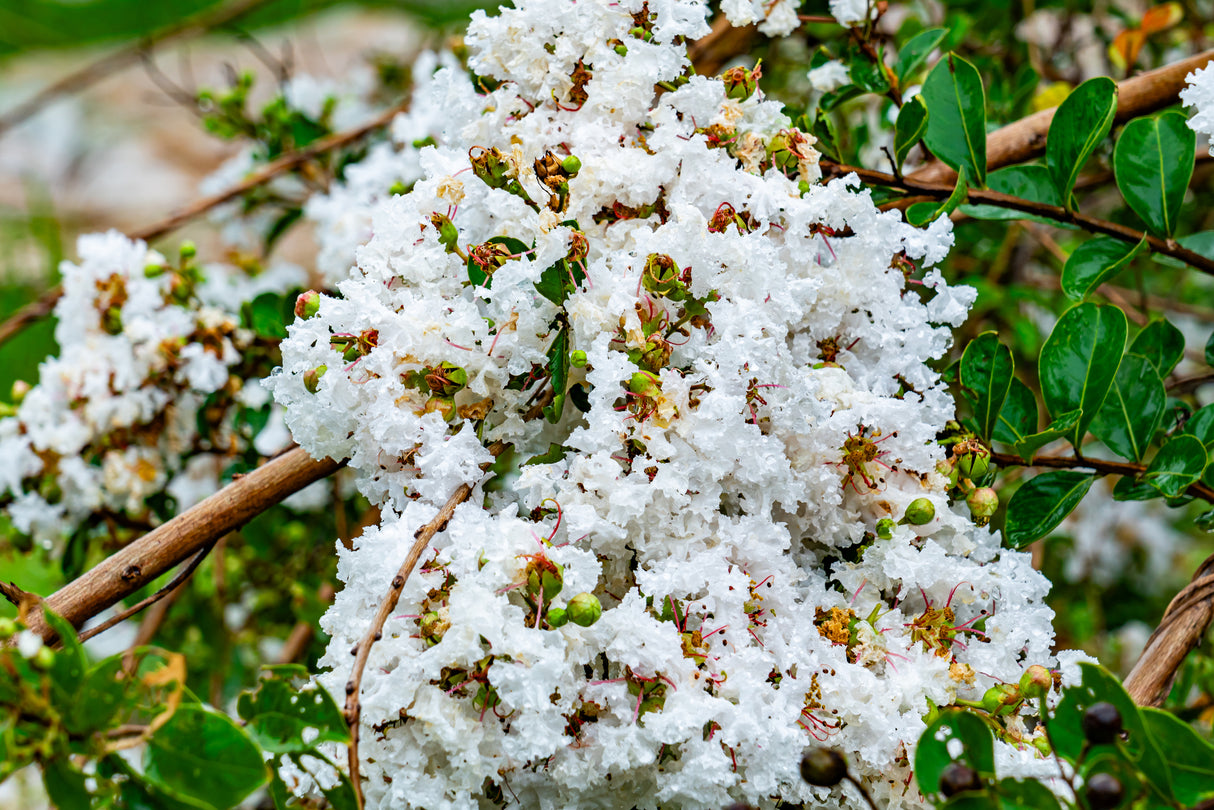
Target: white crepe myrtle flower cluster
x=114 y=419
x=711 y=374
x=1199 y=93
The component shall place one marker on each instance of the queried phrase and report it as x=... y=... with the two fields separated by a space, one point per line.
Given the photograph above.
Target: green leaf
x=1064 y=425
x=986 y=374
x=923 y=213
x=868 y=75
x=1209 y=353
x=909 y=128
x=553 y=454
x=1201 y=242
x=1190 y=758
x=914 y=53
x=559 y=281
x=956 y=124
x=277 y=714
x=1080 y=124
x=204 y=756
x=1153 y=162
x=1027 y=795
x=1201 y=425
x=1178 y=464
x=1161 y=343
x=932 y=755
x=103 y=694
x=558 y=373
x=137 y=793
x=65 y=786
x=264 y=315
x=1027 y=182
x=1079 y=361
x=1018 y=416
x=1096 y=261
x=1042 y=503
x=1131 y=489
x=1127 y=420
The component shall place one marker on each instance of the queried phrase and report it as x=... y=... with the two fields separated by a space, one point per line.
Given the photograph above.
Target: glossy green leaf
x=559 y=281
x=1081 y=122
x=1027 y=795
x=1161 y=343
x=1209 y=353
x=558 y=374
x=986 y=375
x=909 y=127
x=956 y=123
x=1061 y=427
x=102 y=695
x=1096 y=261
x=1131 y=489
x=276 y=715
x=1201 y=425
x=914 y=53
x=868 y=75
x=1178 y=464
x=932 y=756
x=1131 y=411
x=65 y=786
x=1079 y=361
x=203 y=755
x=1018 y=416
x=923 y=213
x=1190 y=758
x=1027 y=182
x=137 y=793
x=1041 y=504
x=1153 y=162
x=268 y=316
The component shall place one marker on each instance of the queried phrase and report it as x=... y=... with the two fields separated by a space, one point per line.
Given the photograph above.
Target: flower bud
x=187 y=251
x=920 y=511
x=397 y=189
x=622 y=50
x=446 y=379
x=307 y=304
x=557 y=617
x=885 y=528
x=43 y=658
x=577 y=359
x=571 y=165
x=644 y=384
x=740 y=82
x=584 y=609
x=445 y=406
x=8 y=628
x=974 y=463
x=983 y=502
x=1001 y=699
x=111 y=320
x=311 y=378
x=1036 y=681
x=661 y=275
x=823 y=767
x=19 y=390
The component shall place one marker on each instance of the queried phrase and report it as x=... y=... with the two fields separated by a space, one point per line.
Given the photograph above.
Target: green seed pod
x=1036 y=682
x=552 y=582
x=823 y=767
x=661 y=275
x=397 y=189
x=920 y=511
x=983 y=503
x=446 y=379
x=311 y=378
x=111 y=320
x=585 y=609
x=571 y=165
x=577 y=359
x=557 y=617
x=1001 y=699
x=974 y=464
x=622 y=50
x=307 y=304
x=740 y=82
x=643 y=384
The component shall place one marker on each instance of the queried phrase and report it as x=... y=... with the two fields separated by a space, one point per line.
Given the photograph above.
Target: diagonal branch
x=197 y=528
x=1102 y=467
x=92 y=73
x=1025 y=138
x=942 y=191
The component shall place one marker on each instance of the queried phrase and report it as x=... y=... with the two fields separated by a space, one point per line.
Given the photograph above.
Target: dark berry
x=823 y=767
x=1103 y=791
x=958 y=778
x=1102 y=723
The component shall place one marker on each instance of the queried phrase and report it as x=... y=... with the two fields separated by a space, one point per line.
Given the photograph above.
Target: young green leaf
x=1178 y=464
x=914 y=53
x=203 y=755
x=1018 y=416
x=1131 y=411
x=956 y=123
x=1153 y=162
x=1079 y=361
x=1094 y=262
x=1063 y=426
x=932 y=755
x=1041 y=504
x=1161 y=343
x=923 y=213
x=1080 y=124
x=909 y=128
x=986 y=374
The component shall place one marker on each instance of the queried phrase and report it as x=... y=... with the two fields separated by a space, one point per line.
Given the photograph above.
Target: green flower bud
x=19 y=390
x=43 y=658
x=155 y=270
x=584 y=609
x=557 y=617
x=920 y=511
x=983 y=502
x=1001 y=699
x=1036 y=682
x=974 y=464
x=397 y=189
x=311 y=378
x=8 y=628
x=571 y=165
x=552 y=582
x=441 y=405
x=1042 y=744
x=643 y=384
x=885 y=528
x=741 y=83
x=622 y=50
x=187 y=251
x=111 y=320
x=307 y=304
x=577 y=359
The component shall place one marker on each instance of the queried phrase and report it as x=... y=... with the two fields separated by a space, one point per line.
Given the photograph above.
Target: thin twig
x=44 y=305
x=941 y=191
x=422 y=538
x=1197 y=490
x=108 y=65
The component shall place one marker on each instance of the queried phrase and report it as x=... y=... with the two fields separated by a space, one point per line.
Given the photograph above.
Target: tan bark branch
x=92 y=73
x=1183 y=626
x=941 y=191
x=1197 y=490
x=144 y=560
x=45 y=304
x=724 y=42
x=1025 y=138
